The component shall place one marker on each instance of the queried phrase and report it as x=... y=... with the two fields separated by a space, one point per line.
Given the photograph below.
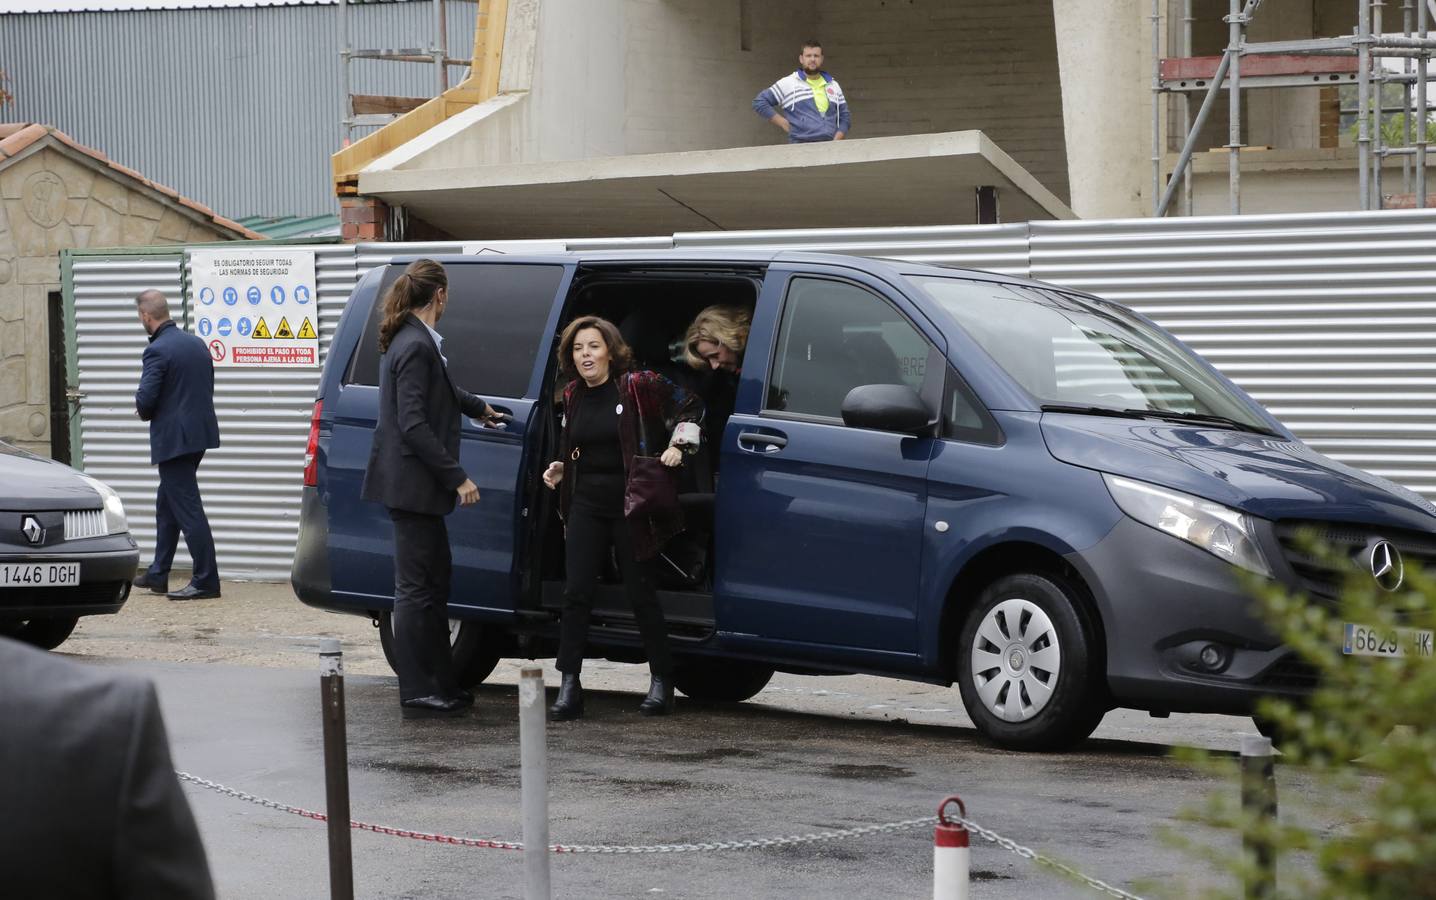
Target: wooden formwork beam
x=481 y=84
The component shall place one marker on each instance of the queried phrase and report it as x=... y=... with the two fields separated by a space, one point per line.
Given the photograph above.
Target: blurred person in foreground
x=90 y=808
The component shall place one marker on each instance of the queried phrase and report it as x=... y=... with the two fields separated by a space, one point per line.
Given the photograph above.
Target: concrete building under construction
x=614 y=117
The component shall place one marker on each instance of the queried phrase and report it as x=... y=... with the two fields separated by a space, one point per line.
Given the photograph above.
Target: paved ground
x=238 y=679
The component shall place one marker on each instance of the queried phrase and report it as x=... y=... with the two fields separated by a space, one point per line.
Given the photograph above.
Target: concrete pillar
x=1104 y=62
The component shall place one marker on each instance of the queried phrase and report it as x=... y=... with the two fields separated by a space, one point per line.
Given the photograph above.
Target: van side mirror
x=887 y=407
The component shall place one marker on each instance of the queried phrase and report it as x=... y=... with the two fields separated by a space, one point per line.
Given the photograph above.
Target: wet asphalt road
x=807 y=755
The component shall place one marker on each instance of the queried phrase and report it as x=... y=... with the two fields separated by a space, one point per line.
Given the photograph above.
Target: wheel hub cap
x=1016 y=660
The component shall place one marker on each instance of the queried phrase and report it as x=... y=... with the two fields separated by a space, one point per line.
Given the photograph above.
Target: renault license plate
x=1363 y=640
x=45 y=574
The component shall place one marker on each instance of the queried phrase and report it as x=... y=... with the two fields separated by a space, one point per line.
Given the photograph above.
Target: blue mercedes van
x=921 y=472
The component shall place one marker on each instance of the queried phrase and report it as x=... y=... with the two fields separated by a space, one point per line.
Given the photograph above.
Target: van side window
x=834 y=337
x=493 y=326
x=964 y=418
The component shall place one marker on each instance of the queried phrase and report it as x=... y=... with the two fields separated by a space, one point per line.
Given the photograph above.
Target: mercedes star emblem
x=1386 y=565
x=32 y=530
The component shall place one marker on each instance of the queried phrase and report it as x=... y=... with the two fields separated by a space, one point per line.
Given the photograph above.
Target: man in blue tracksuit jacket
x=808 y=104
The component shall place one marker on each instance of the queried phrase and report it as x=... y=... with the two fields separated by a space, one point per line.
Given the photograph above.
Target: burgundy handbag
x=652 y=488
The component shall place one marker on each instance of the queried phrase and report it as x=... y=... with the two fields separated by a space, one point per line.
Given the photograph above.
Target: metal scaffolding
x=1315 y=62
x=368 y=110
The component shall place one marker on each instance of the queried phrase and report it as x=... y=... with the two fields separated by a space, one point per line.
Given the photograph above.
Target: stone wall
x=51 y=201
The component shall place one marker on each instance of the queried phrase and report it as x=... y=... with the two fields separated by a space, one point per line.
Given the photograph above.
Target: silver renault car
x=65 y=548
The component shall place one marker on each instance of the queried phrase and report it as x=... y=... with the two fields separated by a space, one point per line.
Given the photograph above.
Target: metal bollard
x=336 y=769
x=533 y=774
x=1259 y=814
x=950 y=862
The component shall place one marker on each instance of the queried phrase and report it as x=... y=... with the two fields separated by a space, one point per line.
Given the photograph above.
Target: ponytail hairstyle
x=411 y=291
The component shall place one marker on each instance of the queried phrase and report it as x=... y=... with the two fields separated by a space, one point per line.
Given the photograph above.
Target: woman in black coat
x=612 y=416
x=414 y=471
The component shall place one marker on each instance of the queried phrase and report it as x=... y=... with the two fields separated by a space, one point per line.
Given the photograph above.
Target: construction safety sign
x=255 y=307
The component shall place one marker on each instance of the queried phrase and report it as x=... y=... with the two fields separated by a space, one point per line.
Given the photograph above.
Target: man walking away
x=811 y=102
x=176 y=397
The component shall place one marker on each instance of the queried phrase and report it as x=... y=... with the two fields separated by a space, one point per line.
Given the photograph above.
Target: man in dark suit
x=176 y=396
x=89 y=803
x=414 y=471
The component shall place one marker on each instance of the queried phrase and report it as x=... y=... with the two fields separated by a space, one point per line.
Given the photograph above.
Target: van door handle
x=761 y=443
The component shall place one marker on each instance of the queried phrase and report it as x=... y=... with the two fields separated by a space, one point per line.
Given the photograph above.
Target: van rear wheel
x=720 y=681
x=1026 y=665
x=470 y=644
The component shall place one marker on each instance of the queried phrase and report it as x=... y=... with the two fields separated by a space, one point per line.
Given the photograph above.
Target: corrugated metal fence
x=250 y=484
x=1329 y=320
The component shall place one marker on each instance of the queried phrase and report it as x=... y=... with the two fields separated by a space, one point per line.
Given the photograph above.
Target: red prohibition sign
x=216 y=349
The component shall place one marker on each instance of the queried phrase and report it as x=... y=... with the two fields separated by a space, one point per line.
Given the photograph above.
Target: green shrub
x=1377 y=712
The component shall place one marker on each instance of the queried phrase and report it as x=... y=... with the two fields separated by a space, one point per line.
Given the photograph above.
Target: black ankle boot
x=659 y=701
x=569 y=704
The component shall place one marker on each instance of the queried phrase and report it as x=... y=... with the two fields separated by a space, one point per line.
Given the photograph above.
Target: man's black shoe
x=464 y=696
x=153 y=584
x=190 y=592
x=432 y=707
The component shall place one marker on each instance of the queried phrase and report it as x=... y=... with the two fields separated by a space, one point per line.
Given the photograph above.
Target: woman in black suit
x=414 y=471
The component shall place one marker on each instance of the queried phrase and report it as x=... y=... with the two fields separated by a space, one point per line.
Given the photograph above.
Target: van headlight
x=1219 y=530
x=115 y=521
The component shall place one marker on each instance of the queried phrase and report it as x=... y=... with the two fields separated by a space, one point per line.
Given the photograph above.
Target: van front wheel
x=1026 y=667
x=470 y=644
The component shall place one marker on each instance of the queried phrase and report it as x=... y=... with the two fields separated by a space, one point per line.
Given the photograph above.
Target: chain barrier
x=1030 y=854
x=492 y=844
x=620 y=849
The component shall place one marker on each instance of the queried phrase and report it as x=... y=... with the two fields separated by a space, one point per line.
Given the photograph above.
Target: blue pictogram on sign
x=244 y=327
x=205 y=326
x=254 y=295
x=224 y=327
x=231 y=296
x=206 y=296
x=276 y=294
x=301 y=294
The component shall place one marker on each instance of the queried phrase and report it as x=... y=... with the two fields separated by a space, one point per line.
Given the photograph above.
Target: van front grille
x=1323 y=577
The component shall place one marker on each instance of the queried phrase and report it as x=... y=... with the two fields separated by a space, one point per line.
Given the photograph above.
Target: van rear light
x=311 y=452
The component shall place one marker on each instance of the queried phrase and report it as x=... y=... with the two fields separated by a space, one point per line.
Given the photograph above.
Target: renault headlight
x=115 y=521
x=1219 y=530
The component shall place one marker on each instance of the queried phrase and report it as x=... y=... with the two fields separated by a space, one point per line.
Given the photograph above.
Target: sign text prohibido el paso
x=256 y=307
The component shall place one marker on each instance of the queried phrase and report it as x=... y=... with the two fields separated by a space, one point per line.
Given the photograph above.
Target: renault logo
x=1386 y=566
x=32 y=530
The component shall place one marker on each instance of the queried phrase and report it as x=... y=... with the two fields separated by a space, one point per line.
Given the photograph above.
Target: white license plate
x=1363 y=640
x=40 y=574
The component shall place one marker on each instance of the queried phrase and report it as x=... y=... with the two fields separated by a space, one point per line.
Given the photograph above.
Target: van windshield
x=1077 y=352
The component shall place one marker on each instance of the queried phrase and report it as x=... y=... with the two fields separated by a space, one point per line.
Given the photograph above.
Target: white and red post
x=950 y=861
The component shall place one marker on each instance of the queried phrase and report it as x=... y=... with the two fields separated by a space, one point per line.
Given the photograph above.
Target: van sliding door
x=820 y=525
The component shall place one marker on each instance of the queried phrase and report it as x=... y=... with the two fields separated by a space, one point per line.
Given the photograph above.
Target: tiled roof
x=17 y=137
